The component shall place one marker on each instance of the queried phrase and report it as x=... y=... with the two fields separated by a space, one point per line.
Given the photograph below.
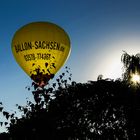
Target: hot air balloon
x=41 y=49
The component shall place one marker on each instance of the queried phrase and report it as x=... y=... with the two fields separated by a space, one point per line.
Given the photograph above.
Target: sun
x=135 y=78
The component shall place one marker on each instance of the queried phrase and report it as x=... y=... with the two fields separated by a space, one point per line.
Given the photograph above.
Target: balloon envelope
x=41 y=49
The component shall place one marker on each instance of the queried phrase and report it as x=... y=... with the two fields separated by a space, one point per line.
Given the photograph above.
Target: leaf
x=7 y=116
x=63 y=74
x=19 y=107
x=5 y=123
x=12 y=115
x=46 y=64
x=51 y=90
x=1 y=108
x=27 y=87
x=57 y=80
x=48 y=71
x=53 y=64
x=54 y=85
x=12 y=121
x=25 y=110
x=1 y=123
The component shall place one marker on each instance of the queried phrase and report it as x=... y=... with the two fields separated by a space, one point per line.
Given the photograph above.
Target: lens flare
x=135 y=78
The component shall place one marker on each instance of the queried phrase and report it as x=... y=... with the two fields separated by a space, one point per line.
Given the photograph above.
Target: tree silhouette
x=131 y=65
x=105 y=109
x=94 y=110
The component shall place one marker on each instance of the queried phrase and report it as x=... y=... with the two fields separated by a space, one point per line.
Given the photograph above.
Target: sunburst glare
x=135 y=78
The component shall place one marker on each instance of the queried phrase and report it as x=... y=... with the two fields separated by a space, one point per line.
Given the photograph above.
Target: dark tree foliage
x=131 y=65
x=102 y=109
x=97 y=110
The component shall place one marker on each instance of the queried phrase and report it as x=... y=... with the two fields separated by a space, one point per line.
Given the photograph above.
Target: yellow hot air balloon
x=41 y=49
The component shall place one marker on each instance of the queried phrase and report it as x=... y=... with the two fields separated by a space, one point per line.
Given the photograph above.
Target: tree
x=131 y=65
x=102 y=109
x=84 y=111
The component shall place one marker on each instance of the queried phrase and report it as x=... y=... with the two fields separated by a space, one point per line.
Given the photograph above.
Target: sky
x=99 y=30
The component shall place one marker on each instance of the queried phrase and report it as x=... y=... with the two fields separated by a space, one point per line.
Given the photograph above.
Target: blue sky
x=99 y=30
